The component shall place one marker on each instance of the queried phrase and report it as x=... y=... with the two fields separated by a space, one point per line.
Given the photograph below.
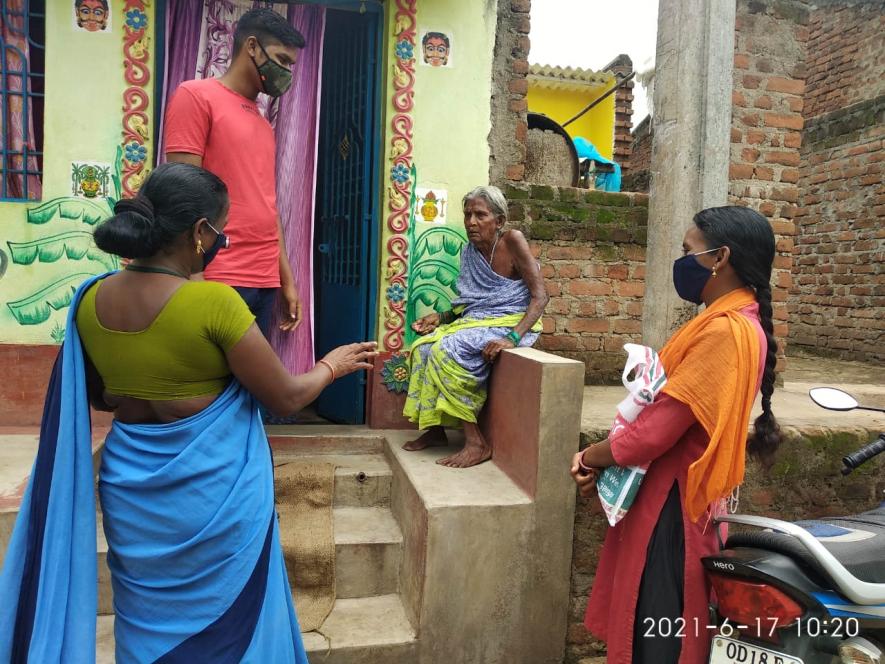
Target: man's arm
x=185 y=158
x=290 y=301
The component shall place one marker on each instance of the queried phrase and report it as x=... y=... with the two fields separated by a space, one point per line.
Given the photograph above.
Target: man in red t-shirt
x=215 y=123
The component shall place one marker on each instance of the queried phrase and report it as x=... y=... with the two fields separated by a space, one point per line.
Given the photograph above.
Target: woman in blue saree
x=501 y=297
x=186 y=478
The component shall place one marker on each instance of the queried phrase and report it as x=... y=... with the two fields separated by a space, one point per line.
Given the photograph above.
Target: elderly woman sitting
x=499 y=306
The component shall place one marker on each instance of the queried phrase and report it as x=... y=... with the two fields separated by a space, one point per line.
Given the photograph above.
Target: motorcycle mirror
x=832 y=399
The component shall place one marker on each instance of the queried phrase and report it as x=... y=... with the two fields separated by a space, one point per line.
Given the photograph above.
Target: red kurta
x=667 y=435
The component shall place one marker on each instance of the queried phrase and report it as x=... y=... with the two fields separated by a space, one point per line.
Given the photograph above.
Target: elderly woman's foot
x=433 y=437
x=476 y=449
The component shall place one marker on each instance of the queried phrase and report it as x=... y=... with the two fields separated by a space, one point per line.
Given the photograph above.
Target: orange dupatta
x=712 y=366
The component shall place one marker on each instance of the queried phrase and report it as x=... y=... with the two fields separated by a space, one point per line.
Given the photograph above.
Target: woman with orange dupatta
x=649 y=600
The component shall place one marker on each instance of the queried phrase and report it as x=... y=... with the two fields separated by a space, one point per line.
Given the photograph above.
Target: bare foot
x=476 y=449
x=433 y=437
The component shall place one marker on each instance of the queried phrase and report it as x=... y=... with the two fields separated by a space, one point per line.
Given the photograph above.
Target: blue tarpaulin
x=604 y=181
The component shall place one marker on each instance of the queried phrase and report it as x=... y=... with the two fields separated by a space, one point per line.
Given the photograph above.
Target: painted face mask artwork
x=275 y=78
x=690 y=277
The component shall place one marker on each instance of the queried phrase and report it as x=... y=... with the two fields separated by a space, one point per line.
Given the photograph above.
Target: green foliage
x=37 y=308
x=58 y=333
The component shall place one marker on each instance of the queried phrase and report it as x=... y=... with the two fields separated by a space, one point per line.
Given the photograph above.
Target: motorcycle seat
x=857 y=542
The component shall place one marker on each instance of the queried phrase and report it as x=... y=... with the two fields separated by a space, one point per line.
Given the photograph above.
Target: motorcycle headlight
x=858 y=650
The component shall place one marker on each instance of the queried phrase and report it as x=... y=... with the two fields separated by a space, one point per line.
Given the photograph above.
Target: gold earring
x=200 y=250
x=714 y=271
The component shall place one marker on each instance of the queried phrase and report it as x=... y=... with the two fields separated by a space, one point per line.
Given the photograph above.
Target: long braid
x=750 y=239
x=766 y=432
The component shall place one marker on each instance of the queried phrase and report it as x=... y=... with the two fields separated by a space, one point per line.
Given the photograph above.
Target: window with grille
x=22 y=64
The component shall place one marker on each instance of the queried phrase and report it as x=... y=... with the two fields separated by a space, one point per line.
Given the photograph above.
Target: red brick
x=518 y=105
x=741 y=61
x=521 y=67
x=750 y=154
x=520 y=6
x=618 y=272
x=796 y=104
x=782 y=121
x=630 y=289
x=750 y=119
x=569 y=271
x=596 y=325
x=519 y=86
x=736 y=135
x=751 y=82
x=763 y=173
x=788 y=85
x=627 y=326
x=521 y=132
x=569 y=253
x=790 y=175
x=785 y=157
x=792 y=140
x=582 y=288
x=763 y=102
x=740 y=172
x=755 y=137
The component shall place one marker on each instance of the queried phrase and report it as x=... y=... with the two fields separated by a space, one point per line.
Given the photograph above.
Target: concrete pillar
x=690 y=150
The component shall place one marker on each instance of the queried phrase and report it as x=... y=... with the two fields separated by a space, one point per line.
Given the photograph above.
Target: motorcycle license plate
x=729 y=651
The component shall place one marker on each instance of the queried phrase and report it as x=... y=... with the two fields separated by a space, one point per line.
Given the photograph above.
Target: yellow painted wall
x=83 y=122
x=451 y=118
x=597 y=125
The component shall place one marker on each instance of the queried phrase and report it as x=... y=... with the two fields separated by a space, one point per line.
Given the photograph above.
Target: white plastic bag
x=644 y=378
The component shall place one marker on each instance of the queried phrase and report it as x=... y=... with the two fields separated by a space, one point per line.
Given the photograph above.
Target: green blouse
x=180 y=355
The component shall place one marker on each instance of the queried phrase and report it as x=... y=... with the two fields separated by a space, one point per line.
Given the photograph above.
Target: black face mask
x=275 y=78
x=690 y=277
x=222 y=241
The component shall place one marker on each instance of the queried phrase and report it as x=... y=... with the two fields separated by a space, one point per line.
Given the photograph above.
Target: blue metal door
x=345 y=186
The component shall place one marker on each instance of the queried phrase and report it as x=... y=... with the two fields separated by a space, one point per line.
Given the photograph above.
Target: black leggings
x=661 y=591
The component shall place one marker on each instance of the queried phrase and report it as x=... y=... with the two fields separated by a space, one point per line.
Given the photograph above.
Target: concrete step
x=368 y=551
x=372 y=630
x=361 y=480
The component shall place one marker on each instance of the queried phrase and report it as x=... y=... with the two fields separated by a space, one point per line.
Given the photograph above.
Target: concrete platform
x=791 y=404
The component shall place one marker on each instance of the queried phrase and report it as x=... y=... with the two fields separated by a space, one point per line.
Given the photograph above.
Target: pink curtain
x=198 y=45
x=19 y=120
x=297 y=128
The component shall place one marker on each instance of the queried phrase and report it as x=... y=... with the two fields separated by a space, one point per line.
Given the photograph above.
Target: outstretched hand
x=352 y=357
x=290 y=303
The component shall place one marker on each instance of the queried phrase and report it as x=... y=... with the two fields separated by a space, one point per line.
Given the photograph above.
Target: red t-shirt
x=237 y=144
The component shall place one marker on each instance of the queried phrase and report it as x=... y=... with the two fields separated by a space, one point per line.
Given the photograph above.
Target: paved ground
x=791 y=404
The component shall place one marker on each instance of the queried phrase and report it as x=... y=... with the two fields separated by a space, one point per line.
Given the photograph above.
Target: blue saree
x=194 y=552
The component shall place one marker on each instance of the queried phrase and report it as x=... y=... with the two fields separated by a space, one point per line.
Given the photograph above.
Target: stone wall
x=804 y=483
x=510 y=86
x=838 y=300
x=767 y=99
x=591 y=247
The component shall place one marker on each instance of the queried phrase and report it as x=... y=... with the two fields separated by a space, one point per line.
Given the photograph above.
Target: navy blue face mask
x=222 y=241
x=690 y=277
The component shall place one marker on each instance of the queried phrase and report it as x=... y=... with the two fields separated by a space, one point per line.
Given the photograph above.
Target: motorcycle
x=809 y=592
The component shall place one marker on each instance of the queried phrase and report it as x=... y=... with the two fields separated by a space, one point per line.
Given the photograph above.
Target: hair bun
x=131 y=232
x=140 y=204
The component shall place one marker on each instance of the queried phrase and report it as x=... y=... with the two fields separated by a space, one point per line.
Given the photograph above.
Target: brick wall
x=591 y=247
x=507 y=138
x=638 y=178
x=769 y=83
x=845 y=56
x=838 y=299
x=622 y=66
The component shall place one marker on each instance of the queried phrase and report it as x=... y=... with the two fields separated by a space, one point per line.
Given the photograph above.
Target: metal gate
x=345 y=190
